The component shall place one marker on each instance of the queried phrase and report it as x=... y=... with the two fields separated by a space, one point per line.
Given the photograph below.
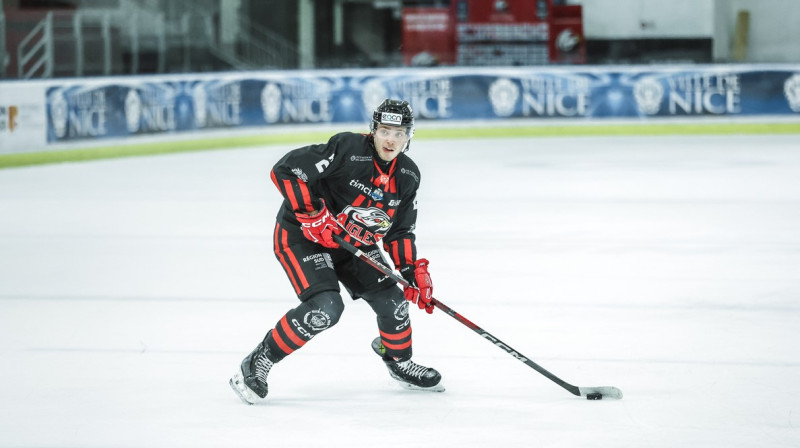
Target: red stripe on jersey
x=395 y=252
x=290 y=332
x=396 y=337
x=306 y=196
x=293 y=260
x=274 y=180
x=391 y=212
x=287 y=184
x=407 y=252
x=388 y=248
x=359 y=200
x=283 y=260
x=386 y=179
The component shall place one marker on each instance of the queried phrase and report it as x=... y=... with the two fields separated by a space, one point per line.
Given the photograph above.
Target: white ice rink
x=669 y=267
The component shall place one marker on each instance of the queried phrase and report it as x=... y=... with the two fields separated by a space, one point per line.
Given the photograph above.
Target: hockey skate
x=250 y=381
x=408 y=374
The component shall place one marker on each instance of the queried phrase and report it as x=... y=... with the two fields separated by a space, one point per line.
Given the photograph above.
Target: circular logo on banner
x=133 y=110
x=791 y=88
x=648 y=93
x=503 y=94
x=271 y=103
x=199 y=98
x=59 y=113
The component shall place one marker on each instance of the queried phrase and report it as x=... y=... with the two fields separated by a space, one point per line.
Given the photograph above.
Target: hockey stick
x=590 y=393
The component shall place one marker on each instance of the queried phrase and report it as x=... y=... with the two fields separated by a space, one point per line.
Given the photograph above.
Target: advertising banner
x=22 y=118
x=128 y=106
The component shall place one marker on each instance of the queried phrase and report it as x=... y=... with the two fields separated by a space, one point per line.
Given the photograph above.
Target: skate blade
x=408 y=386
x=436 y=388
x=242 y=391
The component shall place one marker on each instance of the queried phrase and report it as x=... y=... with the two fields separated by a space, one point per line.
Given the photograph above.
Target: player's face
x=390 y=141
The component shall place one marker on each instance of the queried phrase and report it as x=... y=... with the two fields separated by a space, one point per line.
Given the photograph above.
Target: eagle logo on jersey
x=367 y=225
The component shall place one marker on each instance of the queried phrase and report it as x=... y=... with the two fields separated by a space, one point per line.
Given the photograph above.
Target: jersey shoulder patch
x=407 y=170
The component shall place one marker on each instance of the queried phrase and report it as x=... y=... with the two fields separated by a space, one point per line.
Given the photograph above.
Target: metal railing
x=81 y=22
x=140 y=42
x=5 y=59
x=197 y=32
x=35 y=51
x=146 y=36
x=264 y=49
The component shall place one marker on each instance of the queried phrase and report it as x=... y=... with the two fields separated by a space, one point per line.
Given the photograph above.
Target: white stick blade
x=606 y=392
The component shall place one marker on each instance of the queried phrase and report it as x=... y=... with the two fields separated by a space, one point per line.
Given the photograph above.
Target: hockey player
x=362 y=188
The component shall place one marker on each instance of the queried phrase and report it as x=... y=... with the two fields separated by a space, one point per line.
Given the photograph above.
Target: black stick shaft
x=452 y=313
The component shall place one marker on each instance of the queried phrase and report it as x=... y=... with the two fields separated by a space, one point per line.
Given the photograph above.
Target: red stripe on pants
x=283 y=260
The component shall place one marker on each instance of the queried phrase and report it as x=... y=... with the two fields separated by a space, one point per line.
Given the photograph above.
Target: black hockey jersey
x=347 y=173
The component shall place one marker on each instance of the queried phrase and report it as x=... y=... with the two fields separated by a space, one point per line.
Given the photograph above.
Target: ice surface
x=666 y=266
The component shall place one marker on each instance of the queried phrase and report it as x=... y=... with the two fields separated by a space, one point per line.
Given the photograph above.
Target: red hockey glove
x=320 y=227
x=420 y=290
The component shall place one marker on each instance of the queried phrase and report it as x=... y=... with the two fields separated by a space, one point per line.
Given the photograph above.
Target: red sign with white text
x=428 y=37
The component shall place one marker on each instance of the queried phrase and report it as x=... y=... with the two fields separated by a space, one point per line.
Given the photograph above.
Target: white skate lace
x=410 y=368
x=263 y=365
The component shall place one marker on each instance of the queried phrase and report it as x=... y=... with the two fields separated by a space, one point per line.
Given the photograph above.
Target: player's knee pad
x=388 y=303
x=302 y=323
x=321 y=311
x=394 y=323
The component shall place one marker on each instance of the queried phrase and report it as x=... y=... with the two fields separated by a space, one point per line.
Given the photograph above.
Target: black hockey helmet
x=394 y=113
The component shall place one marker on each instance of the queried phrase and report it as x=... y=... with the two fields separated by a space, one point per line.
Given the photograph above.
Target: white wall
x=774 y=24
x=774 y=30
x=642 y=19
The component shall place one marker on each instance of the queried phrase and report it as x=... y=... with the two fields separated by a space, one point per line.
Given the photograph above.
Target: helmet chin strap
x=410 y=133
